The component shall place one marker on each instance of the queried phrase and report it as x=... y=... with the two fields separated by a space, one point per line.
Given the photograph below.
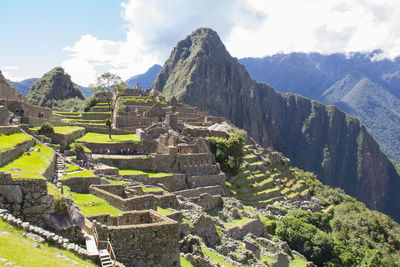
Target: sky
x=126 y=37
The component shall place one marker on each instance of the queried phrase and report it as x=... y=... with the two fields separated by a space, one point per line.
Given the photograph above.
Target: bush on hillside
x=46 y=129
x=90 y=102
x=229 y=152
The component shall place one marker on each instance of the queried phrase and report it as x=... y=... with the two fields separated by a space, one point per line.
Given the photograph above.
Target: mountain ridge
x=318 y=138
x=341 y=80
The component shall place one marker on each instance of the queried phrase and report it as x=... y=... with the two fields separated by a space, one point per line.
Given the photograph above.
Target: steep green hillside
x=315 y=137
x=56 y=90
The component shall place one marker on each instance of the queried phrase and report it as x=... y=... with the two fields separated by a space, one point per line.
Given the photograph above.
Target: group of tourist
x=18 y=113
x=120 y=151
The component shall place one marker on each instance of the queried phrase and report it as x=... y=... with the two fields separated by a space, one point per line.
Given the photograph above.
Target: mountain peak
x=54 y=85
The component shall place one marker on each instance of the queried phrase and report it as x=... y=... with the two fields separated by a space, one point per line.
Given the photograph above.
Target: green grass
x=32 y=166
x=66 y=129
x=117 y=181
x=9 y=141
x=90 y=204
x=139 y=172
x=185 y=263
x=297 y=262
x=20 y=250
x=215 y=257
x=103 y=138
x=84 y=173
x=151 y=189
x=71 y=167
x=164 y=211
x=237 y=222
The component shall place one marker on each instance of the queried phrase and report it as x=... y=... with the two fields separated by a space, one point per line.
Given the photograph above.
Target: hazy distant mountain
x=85 y=90
x=23 y=87
x=146 y=79
x=366 y=88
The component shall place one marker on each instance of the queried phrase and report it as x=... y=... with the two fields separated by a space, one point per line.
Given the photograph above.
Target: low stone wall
x=139 y=241
x=134 y=203
x=203 y=132
x=105 y=130
x=137 y=122
x=255 y=227
x=167 y=201
x=196 y=164
x=176 y=216
x=29 y=110
x=101 y=148
x=208 y=202
x=65 y=139
x=13 y=153
x=80 y=184
x=206 y=180
x=37 y=122
x=211 y=190
x=49 y=172
x=134 y=162
x=26 y=199
x=95 y=115
x=7 y=130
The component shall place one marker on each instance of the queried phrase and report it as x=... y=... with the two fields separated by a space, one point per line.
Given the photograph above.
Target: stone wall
x=65 y=139
x=7 y=130
x=29 y=110
x=142 y=238
x=95 y=115
x=133 y=203
x=4 y=118
x=97 y=148
x=203 y=132
x=49 y=172
x=211 y=190
x=14 y=152
x=26 y=199
x=80 y=184
x=136 y=122
x=196 y=164
x=206 y=180
x=167 y=201
x=6 y=90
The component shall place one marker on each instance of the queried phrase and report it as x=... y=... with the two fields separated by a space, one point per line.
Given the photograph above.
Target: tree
x=111 y=86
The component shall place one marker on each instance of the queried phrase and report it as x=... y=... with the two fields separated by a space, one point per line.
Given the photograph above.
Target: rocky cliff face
x=315 y=137
x=54 y=86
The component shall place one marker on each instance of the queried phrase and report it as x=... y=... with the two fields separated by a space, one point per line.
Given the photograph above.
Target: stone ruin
x=140 y=238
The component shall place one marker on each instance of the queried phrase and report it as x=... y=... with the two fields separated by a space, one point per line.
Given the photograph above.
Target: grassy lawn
x=103 y=138
x=9 y=141
x=152 y=189
x=164 y=211
x=71 y=167
x=139 y=172
x=237 y=222
x=20 y=250
x=90 y=204
x=85 y=173
x=117 y=181
x=185 y=263
x=66 y=129
x=32 y=166
x=215 y=257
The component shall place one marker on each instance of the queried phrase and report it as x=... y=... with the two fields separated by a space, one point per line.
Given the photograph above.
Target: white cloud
x=11 y=67
x=248 y=28
x=10 y=76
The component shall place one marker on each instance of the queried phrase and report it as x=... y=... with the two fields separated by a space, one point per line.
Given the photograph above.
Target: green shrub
x=229 y=152
x=90 y=102
x=46 y=129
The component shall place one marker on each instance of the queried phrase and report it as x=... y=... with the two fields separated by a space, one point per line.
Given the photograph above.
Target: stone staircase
x=105 y=258
x=59 y=169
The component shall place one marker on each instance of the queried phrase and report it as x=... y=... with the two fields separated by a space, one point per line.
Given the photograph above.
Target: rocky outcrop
x=318 y=138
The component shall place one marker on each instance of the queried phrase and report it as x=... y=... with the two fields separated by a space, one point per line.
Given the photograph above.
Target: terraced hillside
x=265 y=177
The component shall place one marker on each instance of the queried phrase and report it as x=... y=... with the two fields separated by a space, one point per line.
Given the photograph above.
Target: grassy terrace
x=139 y=172
x=32 y=166
x=164 y=211
x=90 y=204
x=9 y=141
x=66 y=129
x=85 y=173
x=103 y=138
x=71 y=167
x=20 y=251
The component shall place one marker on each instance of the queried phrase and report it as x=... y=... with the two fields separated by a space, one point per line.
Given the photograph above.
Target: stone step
x=265 y=203
x=262 y=195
